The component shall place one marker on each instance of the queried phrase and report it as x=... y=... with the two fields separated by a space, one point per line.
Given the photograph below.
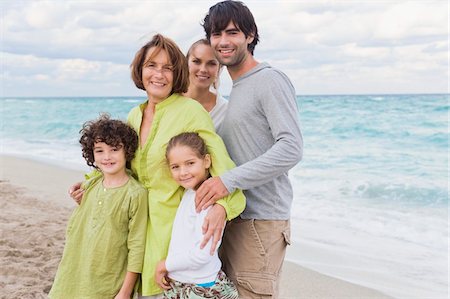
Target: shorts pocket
x=258 y=283
x=257 y=240
x=287 y=236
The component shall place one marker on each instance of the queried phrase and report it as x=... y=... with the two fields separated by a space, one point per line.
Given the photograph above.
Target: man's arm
x=280 y=108
x=281 y=111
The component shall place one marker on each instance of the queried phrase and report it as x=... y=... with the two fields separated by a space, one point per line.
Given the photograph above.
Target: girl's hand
x=76 y=192
x=161 y=275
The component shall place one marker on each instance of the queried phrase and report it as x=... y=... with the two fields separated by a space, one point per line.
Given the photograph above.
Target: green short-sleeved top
x=174 y=115
x=105 y=238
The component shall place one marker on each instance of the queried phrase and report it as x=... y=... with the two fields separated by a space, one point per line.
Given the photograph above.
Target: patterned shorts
x=223 y=289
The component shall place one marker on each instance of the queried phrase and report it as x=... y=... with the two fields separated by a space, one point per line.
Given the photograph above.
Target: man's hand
x=213 y=226
x=209 y=192
x=76 y=192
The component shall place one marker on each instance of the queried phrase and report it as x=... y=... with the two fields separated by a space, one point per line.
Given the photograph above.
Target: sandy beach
x=35 y=208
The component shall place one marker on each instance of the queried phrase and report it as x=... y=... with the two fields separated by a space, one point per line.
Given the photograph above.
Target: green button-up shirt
x=105 y=239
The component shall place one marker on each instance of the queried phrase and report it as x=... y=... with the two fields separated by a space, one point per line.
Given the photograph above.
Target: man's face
x=230 y=45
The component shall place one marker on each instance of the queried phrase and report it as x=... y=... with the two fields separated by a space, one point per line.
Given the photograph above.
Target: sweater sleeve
x=279 y=105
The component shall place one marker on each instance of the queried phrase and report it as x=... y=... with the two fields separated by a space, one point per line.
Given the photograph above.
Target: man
x=262 y=135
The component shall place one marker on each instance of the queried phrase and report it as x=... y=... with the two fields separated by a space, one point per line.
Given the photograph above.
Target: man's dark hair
x=220 y=15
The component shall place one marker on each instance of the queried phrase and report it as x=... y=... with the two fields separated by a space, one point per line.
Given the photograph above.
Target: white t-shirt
x=186 y=262
x=218 y=112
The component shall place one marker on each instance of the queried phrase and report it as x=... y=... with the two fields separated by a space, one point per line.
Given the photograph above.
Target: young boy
x=105 y=238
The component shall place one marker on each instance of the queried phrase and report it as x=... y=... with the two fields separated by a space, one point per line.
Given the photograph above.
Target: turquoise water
x=395 y=147
x=373 y=183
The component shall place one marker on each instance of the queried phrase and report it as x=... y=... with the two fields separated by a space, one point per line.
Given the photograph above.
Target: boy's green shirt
x=105 y=238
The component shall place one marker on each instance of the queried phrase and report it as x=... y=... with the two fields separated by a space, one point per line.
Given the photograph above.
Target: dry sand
x=34 y=211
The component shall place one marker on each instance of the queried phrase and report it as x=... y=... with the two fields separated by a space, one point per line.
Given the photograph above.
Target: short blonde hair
x=176 y=58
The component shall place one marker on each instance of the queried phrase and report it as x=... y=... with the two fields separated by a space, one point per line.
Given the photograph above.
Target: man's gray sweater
x=262 y=134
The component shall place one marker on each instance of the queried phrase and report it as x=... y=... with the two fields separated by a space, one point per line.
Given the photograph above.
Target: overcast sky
x=84 y=48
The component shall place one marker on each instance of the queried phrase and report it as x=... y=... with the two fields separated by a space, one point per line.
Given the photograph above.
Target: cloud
x=44 y=15
x=316 y=43
x=413 y=19
x=64 y=77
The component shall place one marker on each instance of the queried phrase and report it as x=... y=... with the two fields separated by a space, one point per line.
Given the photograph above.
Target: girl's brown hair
x=176 y=58
x=191 y=140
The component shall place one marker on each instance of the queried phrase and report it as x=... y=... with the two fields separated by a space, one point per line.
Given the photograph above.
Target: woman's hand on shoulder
x=76 y=192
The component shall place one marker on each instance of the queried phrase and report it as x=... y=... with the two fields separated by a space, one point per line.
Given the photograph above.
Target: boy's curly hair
x=110 y=131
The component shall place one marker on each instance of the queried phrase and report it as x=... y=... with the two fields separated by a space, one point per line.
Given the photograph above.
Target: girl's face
x=157 y=75
x=110 y=160
x=187 y=168
x=203 y=66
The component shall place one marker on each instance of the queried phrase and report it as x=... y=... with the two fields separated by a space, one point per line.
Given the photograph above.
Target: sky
x=84 y=48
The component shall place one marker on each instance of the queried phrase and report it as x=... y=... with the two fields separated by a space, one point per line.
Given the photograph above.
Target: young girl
x=188 y=271
x=105 y=238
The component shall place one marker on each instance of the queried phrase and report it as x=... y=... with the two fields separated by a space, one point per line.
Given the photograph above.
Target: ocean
x=371 y=193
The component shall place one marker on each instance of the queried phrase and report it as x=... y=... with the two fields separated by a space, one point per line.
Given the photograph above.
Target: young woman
x=204 y=71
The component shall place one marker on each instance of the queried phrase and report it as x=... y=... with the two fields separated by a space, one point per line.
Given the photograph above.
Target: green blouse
x=105 y=238
x=174 y=115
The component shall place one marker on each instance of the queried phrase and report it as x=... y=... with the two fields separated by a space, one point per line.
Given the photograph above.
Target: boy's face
x=109 y=159
x=230 y=45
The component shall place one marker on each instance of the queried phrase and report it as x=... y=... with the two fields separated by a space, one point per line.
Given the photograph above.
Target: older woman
x=161 y=69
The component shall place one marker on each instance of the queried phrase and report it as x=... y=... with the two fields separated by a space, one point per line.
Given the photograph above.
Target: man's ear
x=250 y=38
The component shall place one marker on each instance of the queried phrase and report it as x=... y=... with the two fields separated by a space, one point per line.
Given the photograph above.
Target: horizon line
x=302 y=95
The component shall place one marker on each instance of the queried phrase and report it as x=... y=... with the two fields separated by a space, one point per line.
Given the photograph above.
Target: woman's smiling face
x=203 y=66
x=157 y=75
